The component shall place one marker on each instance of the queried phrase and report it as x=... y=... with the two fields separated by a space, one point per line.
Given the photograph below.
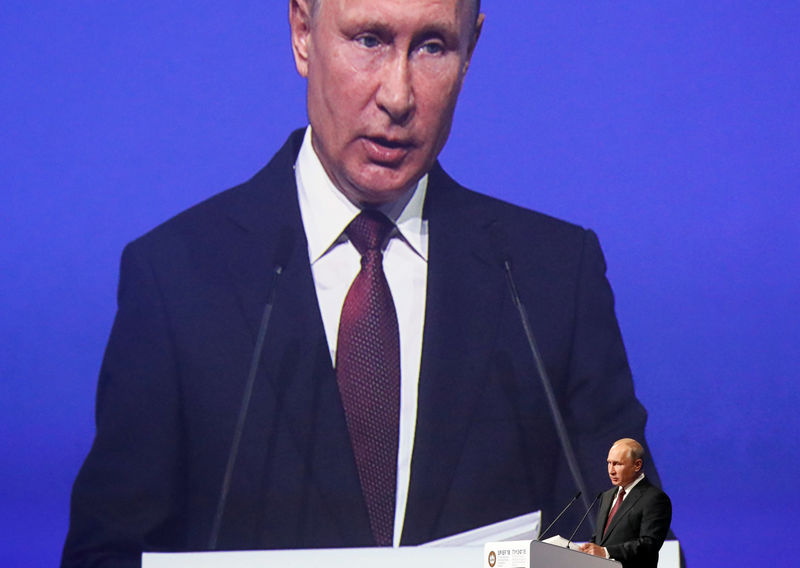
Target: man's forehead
x=476 y=4
x=456 y=5
x=446 y=18
x=619 y=451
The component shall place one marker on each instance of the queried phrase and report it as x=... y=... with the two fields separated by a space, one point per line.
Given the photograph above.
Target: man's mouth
x=386 y=151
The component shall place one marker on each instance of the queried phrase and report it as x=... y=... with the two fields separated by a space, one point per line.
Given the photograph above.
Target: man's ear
x=300 y=25
x=476 y=34
x=637 y=465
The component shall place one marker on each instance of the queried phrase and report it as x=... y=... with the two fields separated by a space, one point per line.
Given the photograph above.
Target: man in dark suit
x=472 y=427
x=634 y=515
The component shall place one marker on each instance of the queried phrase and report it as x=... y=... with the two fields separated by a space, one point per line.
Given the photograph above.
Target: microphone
x=282 y=253
x=584 y=517
x=564 y=510
x=497 y=236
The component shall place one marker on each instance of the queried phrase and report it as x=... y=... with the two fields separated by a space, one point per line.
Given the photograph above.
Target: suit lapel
x=627 y=504
x=296 y=386
x=602 y=513
x=265 y=219
x=465 y=291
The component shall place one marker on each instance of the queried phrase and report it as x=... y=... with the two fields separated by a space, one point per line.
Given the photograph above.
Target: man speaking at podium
x=634 y=515
x=394 y=398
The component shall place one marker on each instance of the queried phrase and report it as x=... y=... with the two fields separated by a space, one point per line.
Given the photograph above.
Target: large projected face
x=383 y=80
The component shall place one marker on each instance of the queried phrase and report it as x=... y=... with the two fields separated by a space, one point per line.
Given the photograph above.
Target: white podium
x=542 y=556
x=416 y=557
x=535 y=554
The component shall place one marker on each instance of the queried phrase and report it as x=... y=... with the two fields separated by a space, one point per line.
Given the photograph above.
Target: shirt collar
x=632 y=484
x=326 y=212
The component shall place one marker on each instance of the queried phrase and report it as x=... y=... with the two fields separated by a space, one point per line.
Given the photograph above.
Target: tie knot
x=369 y=231
x=621 y=492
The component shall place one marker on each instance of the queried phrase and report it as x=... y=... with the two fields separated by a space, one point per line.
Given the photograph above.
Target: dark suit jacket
x=639 y=526
x=190 y=298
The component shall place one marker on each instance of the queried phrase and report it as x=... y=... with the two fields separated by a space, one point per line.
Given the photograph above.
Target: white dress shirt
x=335 y=263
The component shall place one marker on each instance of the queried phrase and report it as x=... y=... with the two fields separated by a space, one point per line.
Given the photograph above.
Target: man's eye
x=432 y=48
x=368 y=41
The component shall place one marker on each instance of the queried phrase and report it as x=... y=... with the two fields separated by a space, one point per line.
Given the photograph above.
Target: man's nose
x=395 y=94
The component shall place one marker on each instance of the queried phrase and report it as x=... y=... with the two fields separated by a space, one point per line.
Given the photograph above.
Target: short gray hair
x=635 y=449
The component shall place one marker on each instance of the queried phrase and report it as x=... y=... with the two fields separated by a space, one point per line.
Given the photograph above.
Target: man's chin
x=376 y=190
x=379 y=196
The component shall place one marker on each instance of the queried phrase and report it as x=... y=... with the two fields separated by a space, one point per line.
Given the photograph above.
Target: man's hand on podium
x=593 y=549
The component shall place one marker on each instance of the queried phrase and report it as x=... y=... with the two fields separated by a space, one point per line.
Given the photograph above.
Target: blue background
x=671 y=128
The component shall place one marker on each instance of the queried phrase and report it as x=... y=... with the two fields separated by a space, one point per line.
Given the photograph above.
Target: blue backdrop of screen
x=671 y=128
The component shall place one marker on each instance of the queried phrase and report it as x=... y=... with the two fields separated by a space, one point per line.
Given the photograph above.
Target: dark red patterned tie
x=368 y=372
x=614 y=510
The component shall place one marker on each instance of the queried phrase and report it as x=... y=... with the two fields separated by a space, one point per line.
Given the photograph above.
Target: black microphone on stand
x=282 y=253
x=499 y=241
x=564 y=510
x=583 y=517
